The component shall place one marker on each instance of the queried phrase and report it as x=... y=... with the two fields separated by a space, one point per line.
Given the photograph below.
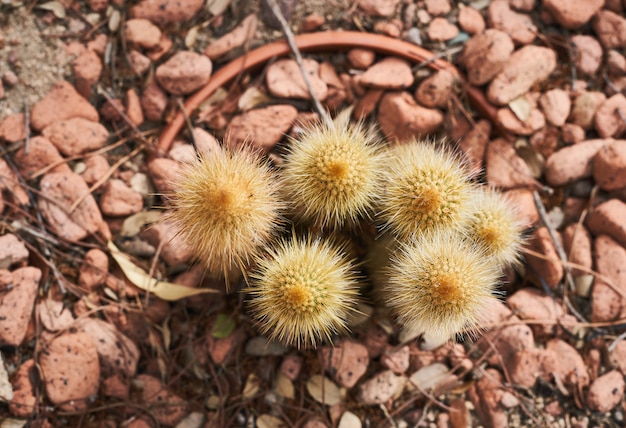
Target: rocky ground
x=87 y=87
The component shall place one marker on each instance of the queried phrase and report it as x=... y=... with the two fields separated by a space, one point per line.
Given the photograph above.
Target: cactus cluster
x=446 y=238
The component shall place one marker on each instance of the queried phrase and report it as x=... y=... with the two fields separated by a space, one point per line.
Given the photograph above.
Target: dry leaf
x=132 y=225
x=284 y=386
x=349 y=420
x=251 y=98
x=114 y=21
x=6 y=390
x=192 y=35
x=252 y=386
x=217 y=7
x=55 y=7
x=140 y=278
x=428 y=377
x=521 y=108
x=323 y=390
x=269 y=421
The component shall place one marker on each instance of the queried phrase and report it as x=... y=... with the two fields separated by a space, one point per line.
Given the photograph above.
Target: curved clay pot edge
x=322 y=41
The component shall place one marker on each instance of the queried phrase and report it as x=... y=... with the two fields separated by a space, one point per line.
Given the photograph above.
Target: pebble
x=242 y=33
x=133 y=107
x=184 y=72
x=572 y=133
x=166 y=407
x=523 y=5
x=312 y=22
x=54 y=315
x=517 y=25
x=509 y=339
x=13 y=128
x=174 y=251
x=59 y=191
x=438 y=7
x=556 y=105
x=609 y=117
x=528 y=365
x=617 y=356
x=615 y=63
x=572 y=163
x=284 y=80
x=609 y=166
x=381 y=388
x=524 y=202
x=262 y=128
x=572 y=14
x=544 y=142
x=96 y=167
x=112 y=110
x=486 y=394
x=401 y=118
x=116 y=351
x=347 y=362
x=606 y=303
x=361 y=58
x=376 y=340
x=76 y=135
x=389 y=73
x=163 y=173
x=166 y=12
x=584 y=108
x=550 y=270
x=60 y=103
x=525 y=68
x=153 y=101
x=532 y=304
x=9 y=180
x=391 y=28
x=87 y=69
x=291 y=366
x=588 y=54
x=610 y=29
x=485 y=55
x=396 y=360
x=116 y=386
x=571 y=367
x=12 y=251
x=606 y=392
x=505 y=168
x=220 y=348
x=17 y=303
x=512 y=123
x=139 y=62
x=118 y=199
x=378 y=7
x=474 y=144
x=164 y=46
x=441 y=30
x=41 y=154
x=436 y=90
x=71 y=370
x=577 y=246
x=142 y=33
x=93 y=270
x=24 y=400
x=471 y=20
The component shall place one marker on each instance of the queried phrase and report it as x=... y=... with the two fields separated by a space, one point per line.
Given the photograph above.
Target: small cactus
x=426 y=189
x=495 y=225
x=333 y=173
x=226 y=206
x=438 y=285
x=303 y=292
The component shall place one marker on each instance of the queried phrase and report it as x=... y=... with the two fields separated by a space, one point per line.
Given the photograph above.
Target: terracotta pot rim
x=320 y=41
